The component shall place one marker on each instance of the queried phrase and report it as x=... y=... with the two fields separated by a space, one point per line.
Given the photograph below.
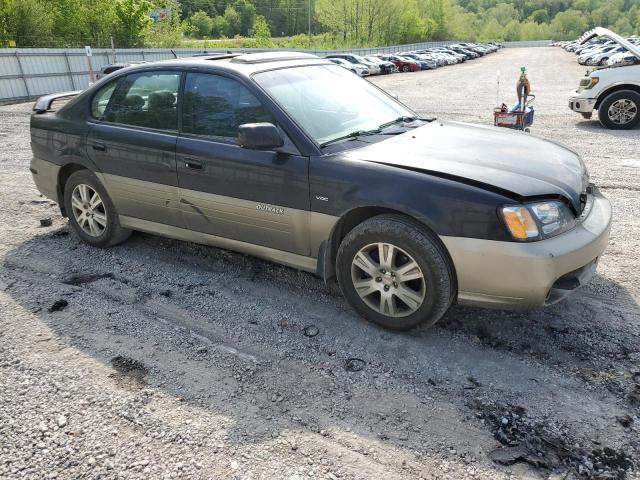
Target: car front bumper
x=515 y=275
x=581 y=104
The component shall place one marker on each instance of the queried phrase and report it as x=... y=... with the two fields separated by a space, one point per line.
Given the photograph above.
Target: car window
x=216 y=106
x=147 y=99
x=328 y=101
x=101 y=100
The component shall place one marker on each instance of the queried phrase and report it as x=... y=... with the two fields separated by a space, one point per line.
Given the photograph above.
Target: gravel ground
x=163 y=359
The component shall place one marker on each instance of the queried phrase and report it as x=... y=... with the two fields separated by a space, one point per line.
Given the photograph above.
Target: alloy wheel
x=622 y=111
x=388 y=280
x=88 y=210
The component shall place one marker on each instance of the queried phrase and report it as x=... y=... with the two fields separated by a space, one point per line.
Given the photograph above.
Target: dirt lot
x=162 y=359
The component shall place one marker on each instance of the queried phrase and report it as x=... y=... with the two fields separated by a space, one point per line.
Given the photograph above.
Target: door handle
x=101 y=147
x=192 y=164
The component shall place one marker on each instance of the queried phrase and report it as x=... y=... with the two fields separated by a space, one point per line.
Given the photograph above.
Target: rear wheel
x=395 y=273
x=91 y=211
x=405 y=68
x=603 y=61
x=620 y=110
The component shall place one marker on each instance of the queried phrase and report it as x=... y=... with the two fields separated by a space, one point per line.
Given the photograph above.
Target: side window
x=101 y=100
x=147 y=99
x=216 y=106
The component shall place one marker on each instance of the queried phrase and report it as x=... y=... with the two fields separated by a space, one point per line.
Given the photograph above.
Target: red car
x=404 y=64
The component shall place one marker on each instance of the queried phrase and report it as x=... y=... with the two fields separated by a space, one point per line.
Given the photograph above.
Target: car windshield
x=329 y=102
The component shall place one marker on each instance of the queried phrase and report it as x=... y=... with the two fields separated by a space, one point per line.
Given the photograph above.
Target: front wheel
x=395 y=273
x=619 y=110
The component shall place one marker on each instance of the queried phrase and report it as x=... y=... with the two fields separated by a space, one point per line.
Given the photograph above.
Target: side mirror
x=259 y=136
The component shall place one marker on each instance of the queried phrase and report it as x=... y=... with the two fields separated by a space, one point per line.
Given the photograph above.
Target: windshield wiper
x=404 y=119
x=357 y=133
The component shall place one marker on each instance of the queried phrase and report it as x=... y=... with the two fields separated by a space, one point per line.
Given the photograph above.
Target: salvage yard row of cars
x=602 y=52
x=612 y=88
x=385 y=63
x=413 y=61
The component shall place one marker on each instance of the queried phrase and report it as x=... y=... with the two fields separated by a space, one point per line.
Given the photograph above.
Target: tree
x=220 y=27
x=202 y=23
x=247 y=12
x=189 y=7
x=30 y=23
x=261 y=28
x=132 y=21
x=568 y=24
x=233 y=21
x=540 y=16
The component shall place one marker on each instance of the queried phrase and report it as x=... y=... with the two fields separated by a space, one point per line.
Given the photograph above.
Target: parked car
x=467 y=53
x=623 y=59
x=439 y=61
x=385 y=67
x=356 y=68
x=422 y=63
x=403 y=64
x=600 y=56
x=458 y=56
x=425 y=63
x=114 y=67
x=289 y=157
x=373 y=68
x=613 y=92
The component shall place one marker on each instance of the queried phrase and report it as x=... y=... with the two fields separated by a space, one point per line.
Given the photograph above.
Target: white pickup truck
x=614 y=91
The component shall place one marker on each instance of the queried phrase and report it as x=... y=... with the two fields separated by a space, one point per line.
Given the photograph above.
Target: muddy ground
x=164 y=359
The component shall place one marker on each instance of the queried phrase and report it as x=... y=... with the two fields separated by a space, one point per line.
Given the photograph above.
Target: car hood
x=514 y=163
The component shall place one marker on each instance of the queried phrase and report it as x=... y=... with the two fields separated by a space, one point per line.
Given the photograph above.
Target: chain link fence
x=27 y=73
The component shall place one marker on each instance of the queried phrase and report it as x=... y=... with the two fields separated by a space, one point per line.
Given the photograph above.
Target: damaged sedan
x=292 y=158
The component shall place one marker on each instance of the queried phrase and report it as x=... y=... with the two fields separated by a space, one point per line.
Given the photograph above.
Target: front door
x=259 y=197
x=132 y=141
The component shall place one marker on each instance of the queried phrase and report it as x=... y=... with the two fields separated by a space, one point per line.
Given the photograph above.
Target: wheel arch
x=354 y=217
x=63 y=175
x=616 y=88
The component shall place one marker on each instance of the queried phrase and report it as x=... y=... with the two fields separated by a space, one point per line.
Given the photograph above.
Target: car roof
x=245 y=64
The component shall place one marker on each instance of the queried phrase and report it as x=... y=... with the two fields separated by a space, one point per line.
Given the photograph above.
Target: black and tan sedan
x=292 y=158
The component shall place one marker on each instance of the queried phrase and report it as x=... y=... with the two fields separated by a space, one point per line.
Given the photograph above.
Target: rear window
x=146 y=99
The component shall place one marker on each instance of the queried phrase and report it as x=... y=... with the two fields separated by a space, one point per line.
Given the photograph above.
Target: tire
x=603 y=62
x=100 y=226
x=405 y=68
x=629 y=101
x=436 y=288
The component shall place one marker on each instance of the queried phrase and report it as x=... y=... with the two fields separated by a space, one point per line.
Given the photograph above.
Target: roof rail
x=278 y=56
x=222 y=56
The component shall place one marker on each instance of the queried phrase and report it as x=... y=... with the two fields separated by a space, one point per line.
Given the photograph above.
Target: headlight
x=536 y=221
x=594 y=81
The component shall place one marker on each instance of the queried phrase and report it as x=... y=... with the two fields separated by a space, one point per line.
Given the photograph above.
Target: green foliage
x=568 y=24
x=261 y=29
x=30 y=23
x=233 y=21
x=132 y=21
x=334 y=23
x=202 y=24
x=189 y=7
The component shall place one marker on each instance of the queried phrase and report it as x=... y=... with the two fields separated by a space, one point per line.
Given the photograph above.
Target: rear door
x=132 y=141
x=258 y=197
